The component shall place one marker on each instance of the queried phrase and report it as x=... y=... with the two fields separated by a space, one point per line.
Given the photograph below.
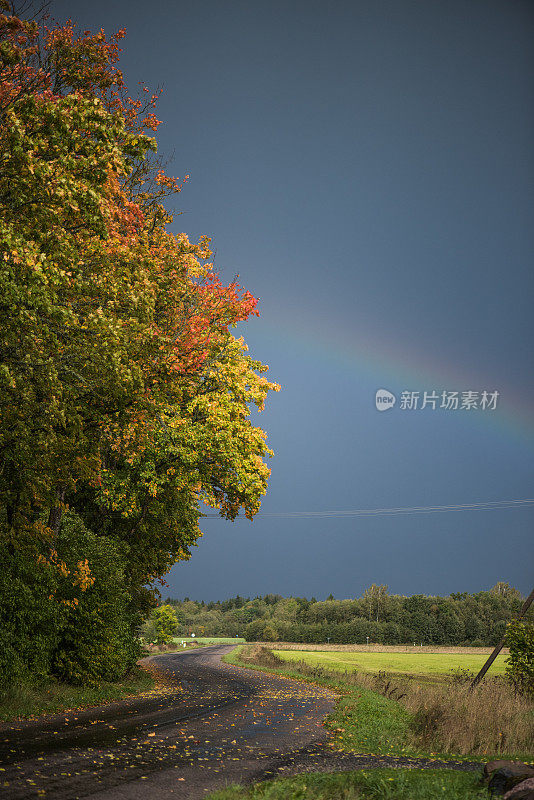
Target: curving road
x=218 y=724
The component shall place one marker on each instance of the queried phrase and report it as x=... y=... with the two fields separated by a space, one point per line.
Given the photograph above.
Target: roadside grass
x=366 y=722
x=386 y=714
x=373 y=784
x=414 y=663
x=27 y=701
x=363 y=721
x=447 y=715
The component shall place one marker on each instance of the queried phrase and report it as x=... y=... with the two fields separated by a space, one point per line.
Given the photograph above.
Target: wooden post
x=499 y=647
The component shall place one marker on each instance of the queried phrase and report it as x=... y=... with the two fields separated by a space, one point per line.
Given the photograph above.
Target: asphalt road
x=218 y=724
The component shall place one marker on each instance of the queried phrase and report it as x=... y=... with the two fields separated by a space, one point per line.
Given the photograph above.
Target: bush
x=148 y=631
x=97 y=641
x=270 y=634
x=520 y=662
x=165 y=623
x=30 y=618
x=262 y=656
x=65 y=611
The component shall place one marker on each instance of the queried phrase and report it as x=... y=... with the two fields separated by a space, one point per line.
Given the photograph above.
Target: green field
x=407 y=663
x=209 y=639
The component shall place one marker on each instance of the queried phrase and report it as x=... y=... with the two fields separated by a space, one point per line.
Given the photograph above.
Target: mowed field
x=414 y=663
x=382 y=648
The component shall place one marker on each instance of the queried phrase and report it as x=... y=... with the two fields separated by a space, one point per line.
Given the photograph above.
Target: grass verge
x=375 y=784
x=26 y=701
x=363 y=721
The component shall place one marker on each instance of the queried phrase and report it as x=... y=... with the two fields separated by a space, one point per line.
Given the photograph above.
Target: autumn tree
x=165 y=623
x=125 y=396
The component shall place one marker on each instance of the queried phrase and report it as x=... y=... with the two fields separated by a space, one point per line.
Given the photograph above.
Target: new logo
x=384 y=400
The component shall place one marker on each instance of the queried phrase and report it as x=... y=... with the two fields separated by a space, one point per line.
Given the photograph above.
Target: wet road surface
x=218 y=724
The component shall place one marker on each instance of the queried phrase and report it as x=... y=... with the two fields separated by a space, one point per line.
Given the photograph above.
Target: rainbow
x=382 y=359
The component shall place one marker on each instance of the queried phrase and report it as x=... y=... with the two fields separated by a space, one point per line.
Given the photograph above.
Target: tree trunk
x=56 y=512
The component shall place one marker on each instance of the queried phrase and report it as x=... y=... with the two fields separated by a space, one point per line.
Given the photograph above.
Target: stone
x=521 y=791
x=505 y=778
x=501 y=780
x=516 y=767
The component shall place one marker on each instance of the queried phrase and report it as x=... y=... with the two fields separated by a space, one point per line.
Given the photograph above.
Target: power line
x=495 y=505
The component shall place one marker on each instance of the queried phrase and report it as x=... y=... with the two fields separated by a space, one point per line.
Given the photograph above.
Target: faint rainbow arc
x=381 y=358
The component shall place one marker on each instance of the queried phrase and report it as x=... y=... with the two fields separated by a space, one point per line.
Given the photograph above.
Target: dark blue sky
x=367 y=169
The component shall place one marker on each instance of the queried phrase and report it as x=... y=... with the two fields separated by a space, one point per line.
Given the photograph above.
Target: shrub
x=30 y=619
x=67 y=614
x=148 y=631
x=165 y=623
x=97 y=641
x=270 y=634
x=520 y=662
x=262 y=657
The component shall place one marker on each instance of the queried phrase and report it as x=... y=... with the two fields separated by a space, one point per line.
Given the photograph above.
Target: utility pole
x=499 y=647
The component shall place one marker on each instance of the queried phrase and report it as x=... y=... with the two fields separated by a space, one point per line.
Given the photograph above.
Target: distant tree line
x=478 y=619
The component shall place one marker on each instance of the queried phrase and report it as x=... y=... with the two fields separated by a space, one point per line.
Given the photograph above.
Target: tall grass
x=489 y=718
x=449 y=717
x=27 y=700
